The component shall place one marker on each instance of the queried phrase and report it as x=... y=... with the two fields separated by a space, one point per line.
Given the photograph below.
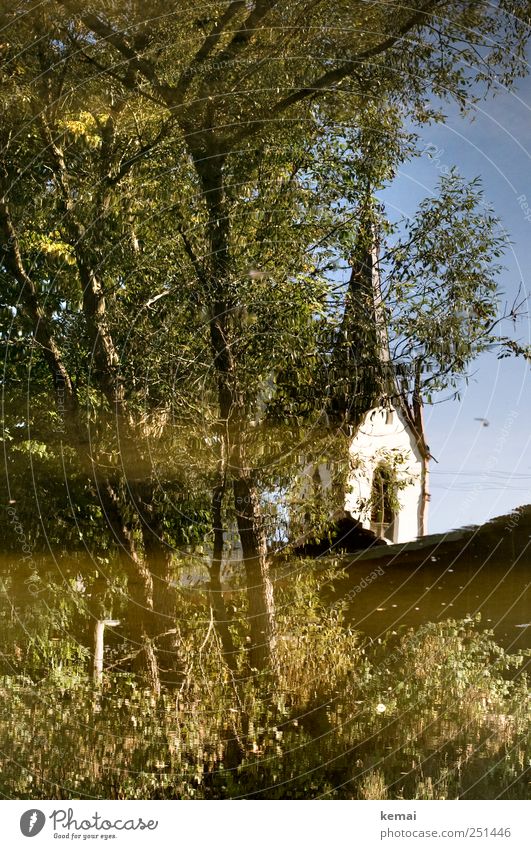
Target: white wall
x=382 y=433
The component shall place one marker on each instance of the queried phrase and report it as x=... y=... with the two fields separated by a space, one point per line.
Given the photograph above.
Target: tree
x=236 y=141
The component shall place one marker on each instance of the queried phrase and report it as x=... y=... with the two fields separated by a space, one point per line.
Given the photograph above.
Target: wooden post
x=99 y=646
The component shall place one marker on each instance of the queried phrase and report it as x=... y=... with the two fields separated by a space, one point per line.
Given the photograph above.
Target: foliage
x=444 y=266
x=182 y=200
x=441 y=712
x=106 y=189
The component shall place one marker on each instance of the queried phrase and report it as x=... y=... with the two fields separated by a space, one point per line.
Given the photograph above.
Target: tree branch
x=94 y=304
x=335 y=76
x=242 y=36
x=209 y=45
x=11 y=258
x=145 y=67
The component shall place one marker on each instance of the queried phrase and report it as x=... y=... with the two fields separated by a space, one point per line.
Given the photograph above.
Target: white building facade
x=387 y=487
x=387 y=483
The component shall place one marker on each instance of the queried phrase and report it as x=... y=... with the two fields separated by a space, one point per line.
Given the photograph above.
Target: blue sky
x=482 y=471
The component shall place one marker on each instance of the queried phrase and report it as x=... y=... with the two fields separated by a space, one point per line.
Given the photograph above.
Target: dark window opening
x=382 y=510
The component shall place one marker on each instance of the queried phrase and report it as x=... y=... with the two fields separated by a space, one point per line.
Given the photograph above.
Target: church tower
x=361 y=362
x=386 y=485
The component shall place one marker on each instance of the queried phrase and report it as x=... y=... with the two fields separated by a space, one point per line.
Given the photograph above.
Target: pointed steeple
x=362 y=361
x=364 y=309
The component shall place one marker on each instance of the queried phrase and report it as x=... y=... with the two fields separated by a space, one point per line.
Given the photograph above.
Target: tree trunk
x=217 y=601
x=140 y=591
x=258 y=579
x=163 y=618
x=233 y=419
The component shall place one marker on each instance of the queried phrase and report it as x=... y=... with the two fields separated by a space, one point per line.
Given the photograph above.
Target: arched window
x=382 y=503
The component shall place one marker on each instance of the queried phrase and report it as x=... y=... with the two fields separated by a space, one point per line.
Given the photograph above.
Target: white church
x=387 y=485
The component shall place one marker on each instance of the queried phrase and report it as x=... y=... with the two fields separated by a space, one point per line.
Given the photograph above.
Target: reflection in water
x=387 y=685
x=434 y=592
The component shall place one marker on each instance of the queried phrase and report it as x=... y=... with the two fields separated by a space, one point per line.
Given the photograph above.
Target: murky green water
x=441 y=589
x=381 y=596
x=440 y=715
